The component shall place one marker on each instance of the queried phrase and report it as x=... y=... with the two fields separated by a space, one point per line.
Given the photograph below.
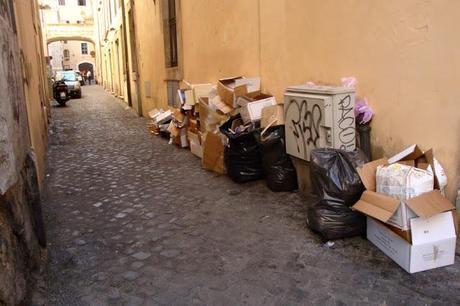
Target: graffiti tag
x=305 y=124
x=346 y=124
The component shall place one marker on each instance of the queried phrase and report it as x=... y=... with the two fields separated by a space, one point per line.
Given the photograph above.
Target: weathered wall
x=14 y=137
x=34 y=79
x=22 y=238
x=405 y=55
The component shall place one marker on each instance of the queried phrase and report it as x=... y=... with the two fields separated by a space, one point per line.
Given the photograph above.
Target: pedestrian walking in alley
x=88 y=77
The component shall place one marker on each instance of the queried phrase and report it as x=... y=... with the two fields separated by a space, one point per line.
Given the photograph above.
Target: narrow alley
x=132 y=220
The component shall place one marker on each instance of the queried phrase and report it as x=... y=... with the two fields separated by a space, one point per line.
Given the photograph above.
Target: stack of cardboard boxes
x=204 y=107
x=408 y=217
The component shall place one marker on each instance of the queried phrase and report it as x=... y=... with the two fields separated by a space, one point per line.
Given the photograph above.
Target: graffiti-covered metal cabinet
x=318 y=117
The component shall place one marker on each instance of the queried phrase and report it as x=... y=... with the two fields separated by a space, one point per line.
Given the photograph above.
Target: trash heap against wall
x=398 y=203
x=233 y=128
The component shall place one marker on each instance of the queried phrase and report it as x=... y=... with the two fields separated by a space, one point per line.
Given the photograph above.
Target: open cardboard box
x=432 y=243
x=394 y=211
x=252 y=111
x=231 y=88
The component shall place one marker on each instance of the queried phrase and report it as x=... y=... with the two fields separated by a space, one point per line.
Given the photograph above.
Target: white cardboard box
x=433 y=242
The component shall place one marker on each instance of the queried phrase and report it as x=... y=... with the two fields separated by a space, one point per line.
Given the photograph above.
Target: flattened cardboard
x=213 y=153
x=411 y=153
x=273 y=114
x=367 y=173
x=203 y=105
x=252 y=112
x=376 y=205
x=195 y=144
x=429 y=204
x=189 y=99
x=194 y=137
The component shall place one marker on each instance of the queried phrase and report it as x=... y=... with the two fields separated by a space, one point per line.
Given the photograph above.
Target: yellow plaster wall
x=151 y=61
x=36 y=94
x=405 y=55
x=220 y=39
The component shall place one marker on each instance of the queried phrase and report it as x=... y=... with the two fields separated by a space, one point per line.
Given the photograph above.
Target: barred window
x=84 y=48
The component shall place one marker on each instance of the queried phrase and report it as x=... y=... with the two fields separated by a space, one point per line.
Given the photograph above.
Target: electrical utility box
x=319 y=117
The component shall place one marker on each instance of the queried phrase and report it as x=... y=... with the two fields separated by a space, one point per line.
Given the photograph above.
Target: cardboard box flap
x=429 y=156
x=376 y=205
x=411 y=153
x=221 y=106
x=367 y=173
x=240 y=90
x=252 y=84
x=429 y=204
x=435 y=228
x=230 y=80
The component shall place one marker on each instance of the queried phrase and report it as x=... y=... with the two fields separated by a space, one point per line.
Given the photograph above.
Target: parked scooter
x=60 y=92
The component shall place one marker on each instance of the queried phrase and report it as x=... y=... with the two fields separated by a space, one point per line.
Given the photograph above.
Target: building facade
x=24 y=113
x=404 y=58
x=69 y=31
x=71 y=55
x=111 y=47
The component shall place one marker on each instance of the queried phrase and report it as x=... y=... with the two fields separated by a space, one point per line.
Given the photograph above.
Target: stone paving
x=132 y=220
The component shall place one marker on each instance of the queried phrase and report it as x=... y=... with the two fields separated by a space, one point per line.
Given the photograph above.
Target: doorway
x=84 y=68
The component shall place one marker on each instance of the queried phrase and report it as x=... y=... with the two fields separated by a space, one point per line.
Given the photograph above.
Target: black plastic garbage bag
x=334 y=177
x=279 y=171
x=336 y=181
x=242 y=155
x=334 y=221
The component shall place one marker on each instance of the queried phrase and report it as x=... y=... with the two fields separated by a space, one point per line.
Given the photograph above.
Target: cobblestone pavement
x=132 y=220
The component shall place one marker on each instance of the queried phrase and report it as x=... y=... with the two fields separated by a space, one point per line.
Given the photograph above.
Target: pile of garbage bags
x=279 y=170
x=252 y=154
x=241 y=155
x=336 y=182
